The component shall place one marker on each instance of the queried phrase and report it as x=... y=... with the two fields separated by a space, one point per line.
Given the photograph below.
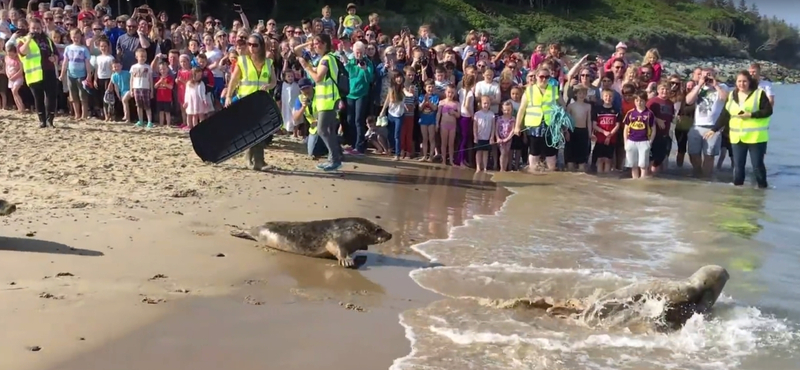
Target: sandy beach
x=119 y=255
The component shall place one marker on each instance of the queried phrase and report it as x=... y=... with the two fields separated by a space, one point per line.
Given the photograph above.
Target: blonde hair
x=651 y=56
x=632 y=73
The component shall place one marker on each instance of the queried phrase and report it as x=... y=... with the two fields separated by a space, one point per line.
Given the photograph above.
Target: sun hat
x=621 y=45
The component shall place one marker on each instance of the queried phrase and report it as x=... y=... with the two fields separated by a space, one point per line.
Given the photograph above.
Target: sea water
x=573 y=236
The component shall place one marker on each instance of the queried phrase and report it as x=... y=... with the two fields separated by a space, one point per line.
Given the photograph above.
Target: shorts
x=517 y=143
x=483 y=145
x=15 y=83
x=662 y=145
x=697 y=145
x=577 y=148
x=164 y=107
x=142 y=98
x=77 y=92
x=537 y=147
x=637 y=153
x=604 y=151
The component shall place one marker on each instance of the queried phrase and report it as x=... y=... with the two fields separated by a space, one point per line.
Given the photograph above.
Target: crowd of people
x=345 y=85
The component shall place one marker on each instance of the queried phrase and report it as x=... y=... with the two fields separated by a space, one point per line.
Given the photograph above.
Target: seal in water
x=337 y=238
x=7 y=208
x=683 y=298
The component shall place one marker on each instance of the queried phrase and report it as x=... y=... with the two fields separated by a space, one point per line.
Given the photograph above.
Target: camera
x=709 y=80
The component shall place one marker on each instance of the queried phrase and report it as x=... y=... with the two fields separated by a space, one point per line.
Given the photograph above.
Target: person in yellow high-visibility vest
x=747 y=114
x=252 y=72
x=303 y=110
x=326 y=99
x=39 y=56
x=535 y=113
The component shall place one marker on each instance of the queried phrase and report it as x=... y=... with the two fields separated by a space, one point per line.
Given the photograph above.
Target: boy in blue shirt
x=121 y=83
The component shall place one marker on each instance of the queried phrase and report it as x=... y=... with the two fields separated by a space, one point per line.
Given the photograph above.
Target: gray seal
x=336 y=238
x=7 y=208
x=682 y=298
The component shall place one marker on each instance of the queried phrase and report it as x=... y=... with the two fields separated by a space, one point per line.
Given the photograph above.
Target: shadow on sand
x=369 y=260
x=43 y=246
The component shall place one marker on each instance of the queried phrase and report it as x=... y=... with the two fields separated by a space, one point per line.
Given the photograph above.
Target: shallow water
x=565 y=235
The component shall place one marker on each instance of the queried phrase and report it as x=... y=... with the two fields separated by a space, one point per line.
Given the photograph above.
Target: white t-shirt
x=767 y=87
x=141 y=76
x=490 y=89
x=468 y=98
x=484 y=122
x=103 y=65
x=709 y=106
x=214 y=56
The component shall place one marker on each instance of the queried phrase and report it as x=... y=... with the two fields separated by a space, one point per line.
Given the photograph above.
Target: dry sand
x=119 y=257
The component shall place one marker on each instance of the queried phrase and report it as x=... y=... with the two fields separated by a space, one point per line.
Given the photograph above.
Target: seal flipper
x=341 y=254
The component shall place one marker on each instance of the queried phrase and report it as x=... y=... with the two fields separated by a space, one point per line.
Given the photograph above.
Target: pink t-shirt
x=505 y=126
x=536 y=59
x=13 y=66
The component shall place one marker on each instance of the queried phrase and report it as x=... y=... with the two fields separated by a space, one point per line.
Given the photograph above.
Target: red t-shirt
x=664 y=110
x=606 y=118
x=164 y=94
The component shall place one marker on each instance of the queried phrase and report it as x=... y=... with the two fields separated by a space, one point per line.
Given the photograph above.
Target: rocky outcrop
x=7 y=208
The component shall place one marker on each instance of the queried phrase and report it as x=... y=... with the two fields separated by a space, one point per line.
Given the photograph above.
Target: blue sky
x=781 y=9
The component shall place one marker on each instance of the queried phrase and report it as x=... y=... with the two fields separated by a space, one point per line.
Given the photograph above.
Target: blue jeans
x=316 y=147
x=357 y=122
x=757 y=152
x=395 y=124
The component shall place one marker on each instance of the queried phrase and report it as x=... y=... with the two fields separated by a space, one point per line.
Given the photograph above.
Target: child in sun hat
x=351 y=21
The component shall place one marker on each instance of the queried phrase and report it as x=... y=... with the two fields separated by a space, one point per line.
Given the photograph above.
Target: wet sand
x=119 y=254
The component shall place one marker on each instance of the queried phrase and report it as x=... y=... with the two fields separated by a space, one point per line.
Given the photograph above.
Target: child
x=440 y=81
x=104 y=70
x=289 y=93
x=121 y=84
x=467 y=98
x=428 y=105
x=605 y=125
x=664 y=110
x=183 y=77
x=639 y=134
x=425 y=39
x=518 y=142
x=376 y=135
x=208 y=80
x=505 y=132
x=449 y=113
x=15 y=76
x=396 y=108
x=74 y=71
x=328 y=24
x=164 y=84
x=484 y=129
x=141 y=86
x=576 y=152
x=194 y=101
x=351 y=21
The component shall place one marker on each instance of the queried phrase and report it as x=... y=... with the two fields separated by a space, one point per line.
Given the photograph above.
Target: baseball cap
x=67 y=7
x=304 y=83
x=85 y=15
x=621 y=45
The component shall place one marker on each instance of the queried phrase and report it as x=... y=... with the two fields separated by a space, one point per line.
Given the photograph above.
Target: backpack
x=342 y=79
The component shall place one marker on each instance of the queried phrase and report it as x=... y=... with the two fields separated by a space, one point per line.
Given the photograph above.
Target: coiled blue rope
x=554 y=132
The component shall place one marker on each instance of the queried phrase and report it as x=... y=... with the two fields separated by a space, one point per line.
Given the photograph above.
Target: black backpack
x=343 y=78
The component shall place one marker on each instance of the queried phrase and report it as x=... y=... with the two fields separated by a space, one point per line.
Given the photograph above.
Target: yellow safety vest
x=251 y=80
x=540 y=105
x=32 y=62
x=747 y=130
x=326 y=94
x=312 y=129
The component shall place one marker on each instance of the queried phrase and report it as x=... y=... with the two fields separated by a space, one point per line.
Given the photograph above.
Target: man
x=112 y=32
x=618 y=68
x=766 y=85
x=128 y=43
x=710 y=97
x=302 y=111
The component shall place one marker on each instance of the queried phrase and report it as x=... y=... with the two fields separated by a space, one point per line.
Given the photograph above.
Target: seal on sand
x=7 y=208
x=336 y=238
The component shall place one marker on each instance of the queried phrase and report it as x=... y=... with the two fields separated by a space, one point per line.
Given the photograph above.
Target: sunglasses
x=543 y=77
x=97 y=29
x=298 y=32
x=252 y=44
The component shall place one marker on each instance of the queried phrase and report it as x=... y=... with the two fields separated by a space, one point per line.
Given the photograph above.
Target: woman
x=747 y=113
x=39 y=57
x=326 y=99
x=362 y=74
x=252 y=72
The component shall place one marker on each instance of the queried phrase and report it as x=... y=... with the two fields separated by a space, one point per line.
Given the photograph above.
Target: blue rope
x=554 y=132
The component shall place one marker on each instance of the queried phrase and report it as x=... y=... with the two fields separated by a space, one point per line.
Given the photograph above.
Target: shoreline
x=110 y=228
